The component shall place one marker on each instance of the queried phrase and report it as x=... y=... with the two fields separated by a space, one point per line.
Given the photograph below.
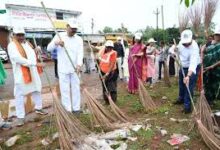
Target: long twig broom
x=71 y=131
x=183 y=20
x=203 y=118
x=166 y=75
x=145 y=98
x=195 y=17
x=210 y=7
x=120 y=115
x=99 y=114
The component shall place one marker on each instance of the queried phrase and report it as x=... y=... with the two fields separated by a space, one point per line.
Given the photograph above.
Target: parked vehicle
x=3 y=55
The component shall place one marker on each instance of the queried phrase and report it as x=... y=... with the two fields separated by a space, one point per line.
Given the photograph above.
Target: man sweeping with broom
x=188 y=51
x=107 y=64
x=68 y=76
x=26 y=72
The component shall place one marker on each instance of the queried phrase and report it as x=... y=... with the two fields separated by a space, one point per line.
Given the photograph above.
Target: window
x=59 y=15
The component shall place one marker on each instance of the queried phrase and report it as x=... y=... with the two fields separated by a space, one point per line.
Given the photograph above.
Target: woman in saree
x=137 y=64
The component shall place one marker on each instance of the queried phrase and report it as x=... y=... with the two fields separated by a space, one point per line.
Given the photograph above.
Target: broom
x=210 y=7
x=69 y=127
x=196 y=17
x=183 y=20
x=204 y=120
x=121 y=116
x=145 y=98
x=166 y=75
x=97 y=113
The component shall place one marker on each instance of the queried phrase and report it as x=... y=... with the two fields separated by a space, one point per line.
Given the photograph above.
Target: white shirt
x=17 y=61
x=74 y=46
x=189 y=56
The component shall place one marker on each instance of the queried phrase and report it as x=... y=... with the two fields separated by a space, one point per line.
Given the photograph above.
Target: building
x=34 y=20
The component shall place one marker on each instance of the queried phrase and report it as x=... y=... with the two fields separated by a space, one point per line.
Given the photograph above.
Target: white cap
x=217 y=31
x=151 y=40
x=186 y=36
x=109 y=43
x=119 y=38
x=18 y=30
x=138 y=36
x=72 y=23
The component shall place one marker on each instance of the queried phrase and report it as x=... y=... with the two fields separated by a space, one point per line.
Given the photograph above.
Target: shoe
x=178 y=102
x=6 y=126
x=186 y=111
x=41 y=112
x=77 y=113
x=20 y=122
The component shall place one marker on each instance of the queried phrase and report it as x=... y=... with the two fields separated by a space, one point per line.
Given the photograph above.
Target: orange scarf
x=26 y=70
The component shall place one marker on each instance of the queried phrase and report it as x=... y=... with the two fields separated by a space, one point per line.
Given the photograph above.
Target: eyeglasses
x=19 y=34
x=187 y=44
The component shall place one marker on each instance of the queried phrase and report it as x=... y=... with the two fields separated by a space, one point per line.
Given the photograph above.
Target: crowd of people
x=129 y=62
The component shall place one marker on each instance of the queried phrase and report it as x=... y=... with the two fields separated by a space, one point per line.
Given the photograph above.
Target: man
x=211 y=62
x=188 y=51
x=107 y=64
x=26 y=74
x=68 y=74
x=118 y=47
x=162 y=57
x=54 y=57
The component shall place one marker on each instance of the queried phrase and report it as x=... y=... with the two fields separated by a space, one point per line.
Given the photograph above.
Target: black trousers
x=160 y=68
x=111 y=84
x=172 y=66
x=55 y=68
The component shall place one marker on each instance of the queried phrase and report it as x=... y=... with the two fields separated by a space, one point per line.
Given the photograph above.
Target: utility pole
x=162 y=14
x=157 y=14
x=92 y=25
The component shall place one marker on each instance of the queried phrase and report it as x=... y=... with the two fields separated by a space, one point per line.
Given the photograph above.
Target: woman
x=151 y=69
x=107 y=64
x=2 y=74
x=172 y=56
x=137 y=64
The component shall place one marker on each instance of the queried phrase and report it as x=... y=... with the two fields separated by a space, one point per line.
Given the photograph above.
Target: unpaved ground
x=33 y=132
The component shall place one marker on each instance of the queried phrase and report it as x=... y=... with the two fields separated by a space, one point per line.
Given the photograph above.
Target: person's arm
x=53 y=44
x=193 y=63
x=16 y=57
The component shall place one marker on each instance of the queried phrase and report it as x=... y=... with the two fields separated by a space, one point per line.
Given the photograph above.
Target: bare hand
x=208 y=68
x=59 y=42
x=40 y=65
x=78 y=69
x=186 y=80
x=38 y=49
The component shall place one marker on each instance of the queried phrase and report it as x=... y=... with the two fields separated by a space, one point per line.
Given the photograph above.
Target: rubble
x=177 y=139
x=10 y=142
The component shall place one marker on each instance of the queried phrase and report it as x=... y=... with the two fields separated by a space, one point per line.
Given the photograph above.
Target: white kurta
x=17 y=60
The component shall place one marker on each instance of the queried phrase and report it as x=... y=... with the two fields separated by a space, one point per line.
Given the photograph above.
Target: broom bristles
x=196 y=17
x=145 y=98
x=209 y=11
x=166 y=75
x=211 y=141
x=121 y=116
x=100 y=115
x=183 y=20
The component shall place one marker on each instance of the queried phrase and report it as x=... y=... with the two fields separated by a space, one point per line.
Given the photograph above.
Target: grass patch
x=47 y=130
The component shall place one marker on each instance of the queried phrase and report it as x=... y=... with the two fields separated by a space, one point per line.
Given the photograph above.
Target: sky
x=134 y=14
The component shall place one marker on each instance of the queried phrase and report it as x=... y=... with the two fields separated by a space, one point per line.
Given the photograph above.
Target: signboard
x=34 y=18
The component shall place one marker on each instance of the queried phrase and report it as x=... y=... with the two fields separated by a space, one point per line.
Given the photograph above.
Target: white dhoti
x=70 y=82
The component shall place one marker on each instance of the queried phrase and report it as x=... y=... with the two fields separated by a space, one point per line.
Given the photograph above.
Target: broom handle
x=57 y=33
x=99 y=70
x=187 y=86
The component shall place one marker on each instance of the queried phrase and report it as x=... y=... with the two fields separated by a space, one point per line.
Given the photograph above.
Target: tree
x=107 y=30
